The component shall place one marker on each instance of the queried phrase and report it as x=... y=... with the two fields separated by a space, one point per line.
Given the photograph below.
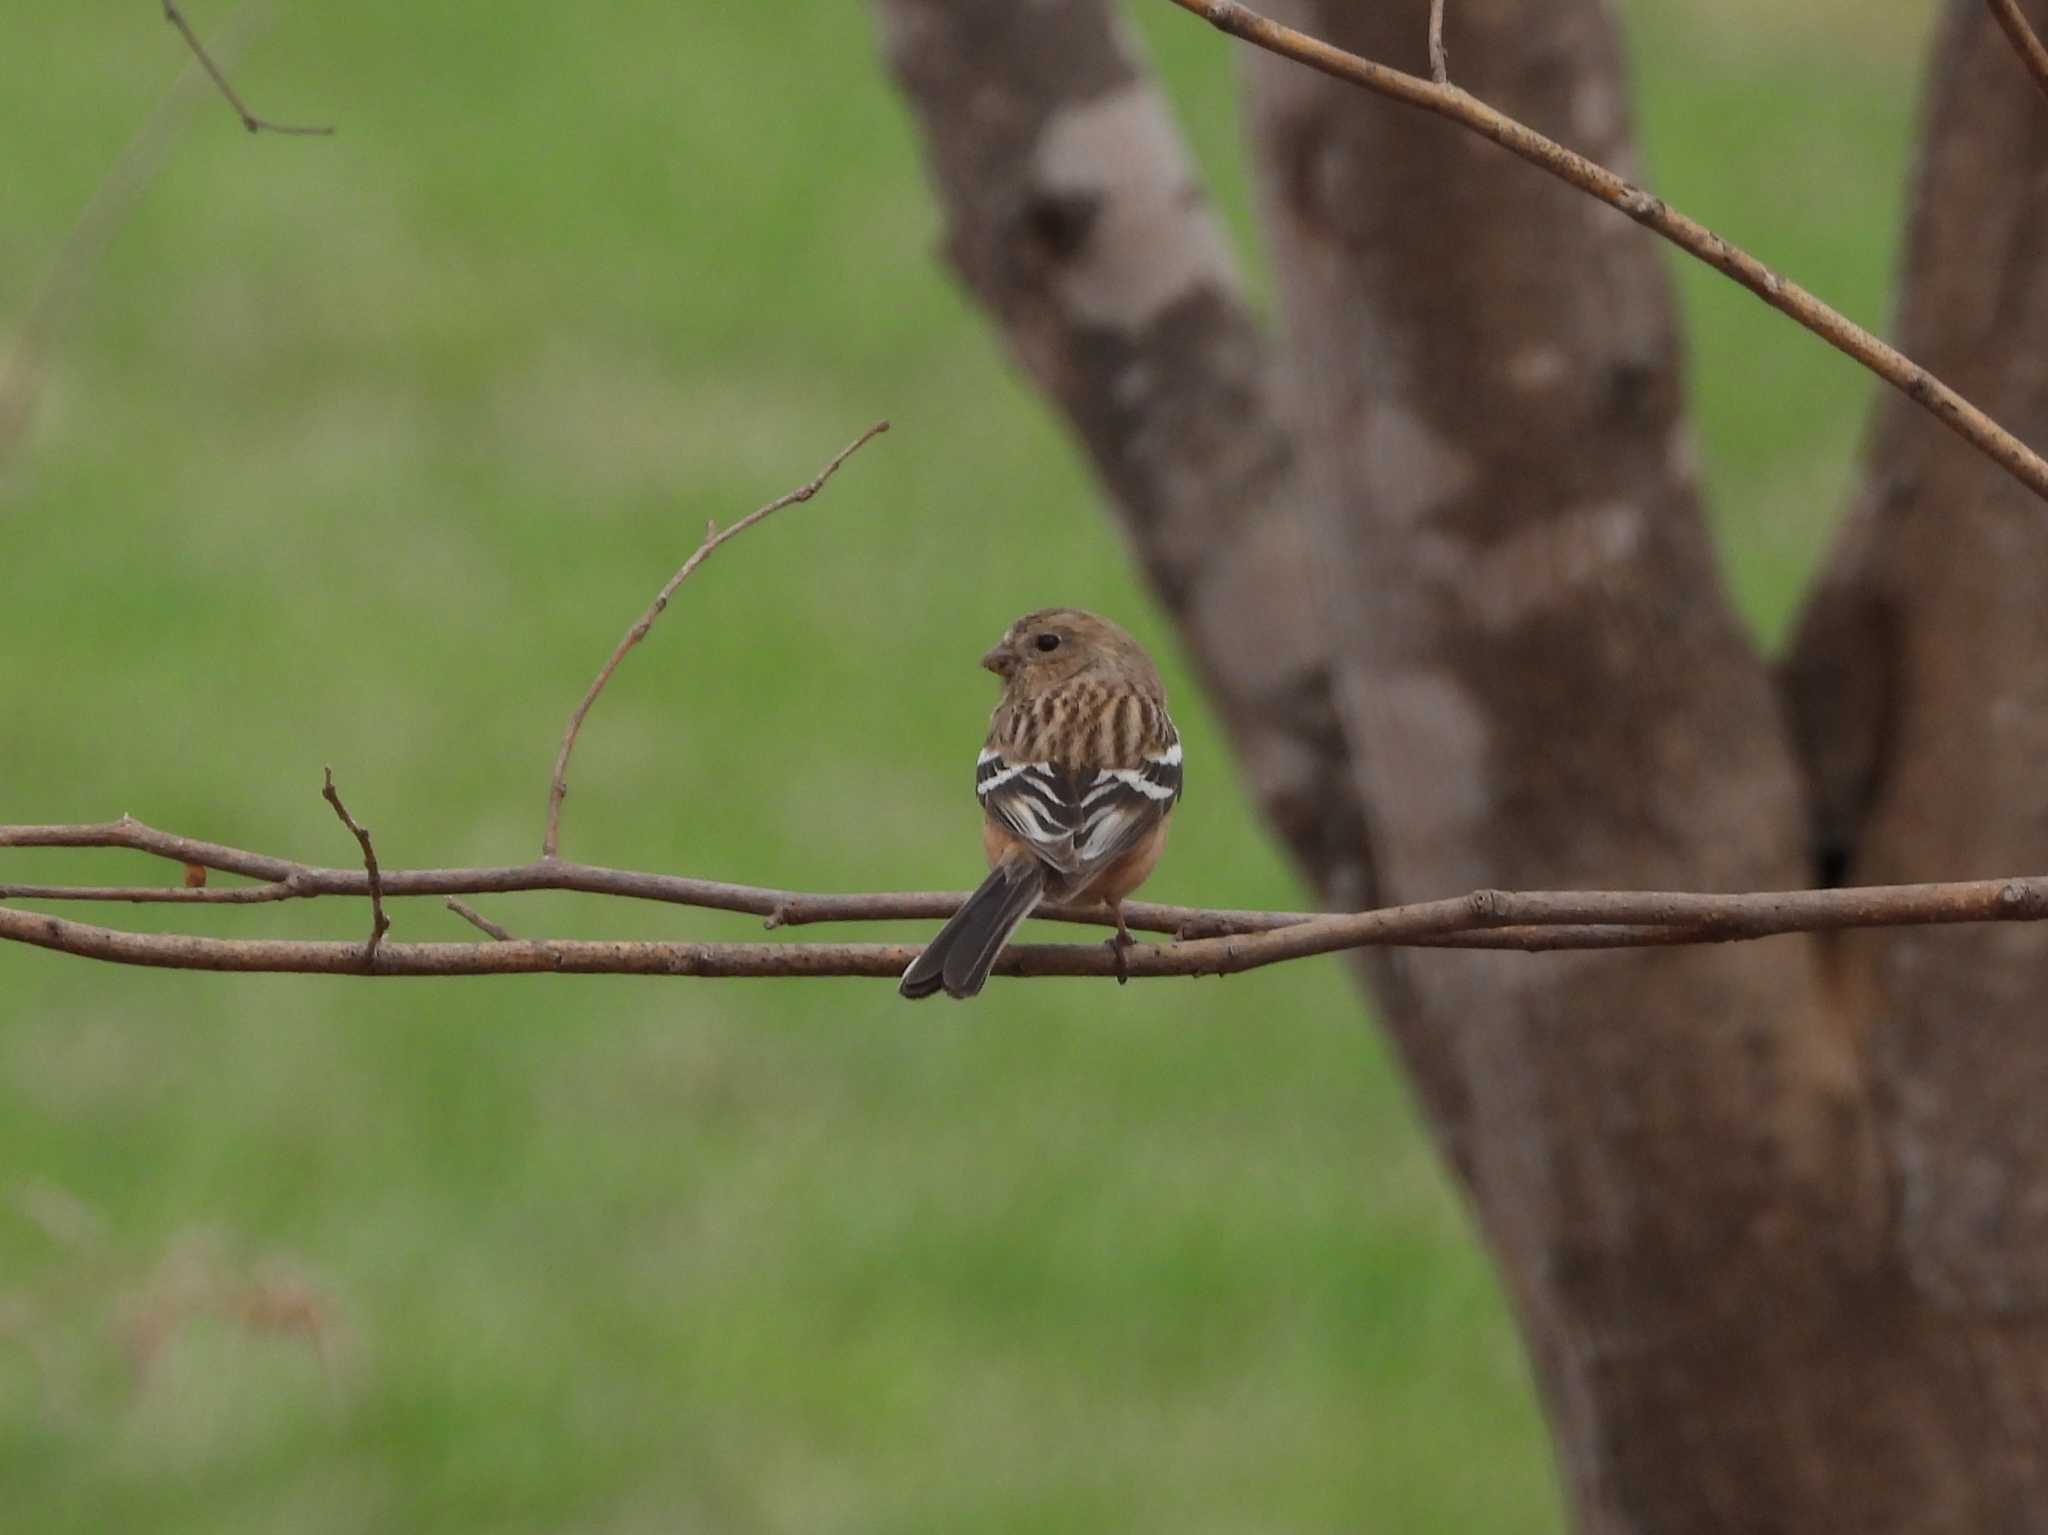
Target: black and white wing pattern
x=1078 y=818
x=1036 y=800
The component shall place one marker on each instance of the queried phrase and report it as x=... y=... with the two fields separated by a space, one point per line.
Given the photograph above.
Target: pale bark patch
x=1534 y=369
x=1596 y=112
x=1414 y=470
x=1153 y=241
x=1682 y=453
x=1253 y=611
x=1547 y=564
x=1427 y=744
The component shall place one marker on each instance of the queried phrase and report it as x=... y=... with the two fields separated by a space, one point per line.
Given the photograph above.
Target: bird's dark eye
x=1048 y=641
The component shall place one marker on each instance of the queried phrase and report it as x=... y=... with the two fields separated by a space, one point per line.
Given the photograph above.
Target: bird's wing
x=1073 y=818
x=1036 y=800
x=1119 y=805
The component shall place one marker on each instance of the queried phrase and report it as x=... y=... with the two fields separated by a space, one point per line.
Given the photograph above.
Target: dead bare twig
x=2025 y=40
x=558 y=781
x=219 y=77
x=477 y=919
x=1439 y=61
x=1653 y=213
x=379 y=923
x=57 y=297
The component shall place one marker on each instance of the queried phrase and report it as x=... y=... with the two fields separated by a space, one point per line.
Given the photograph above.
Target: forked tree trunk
x=1918 y=683
x=1772 y=1217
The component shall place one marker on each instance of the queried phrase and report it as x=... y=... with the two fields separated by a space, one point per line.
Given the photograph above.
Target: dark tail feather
x=960 y=958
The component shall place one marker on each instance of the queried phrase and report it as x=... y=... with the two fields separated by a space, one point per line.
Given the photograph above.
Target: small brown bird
x=1081 y=766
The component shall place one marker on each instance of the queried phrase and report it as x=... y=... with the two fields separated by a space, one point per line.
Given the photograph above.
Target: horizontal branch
x=1208 y=941
x=1206 y=956
x=281 y=879
x=1653 y=213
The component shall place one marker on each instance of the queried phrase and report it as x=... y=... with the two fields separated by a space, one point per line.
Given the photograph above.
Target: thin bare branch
x=1485 y=919
x=280 y=879
x=58 y=296
x=2026 y=41
x=1209 y=956
x=219 y=77
x=1491 y=919
x=283 y=880
x=128 y=832
x=558 y=782
x=1653 y=213
x=1439 y=61
x=379 y=923
x=1210 y=941
x=477 y=919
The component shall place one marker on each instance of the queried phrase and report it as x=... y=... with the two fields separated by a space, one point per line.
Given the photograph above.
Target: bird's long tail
x=960 y=958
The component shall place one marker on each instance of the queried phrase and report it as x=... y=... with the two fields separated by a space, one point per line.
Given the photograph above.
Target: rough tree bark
x=1772 y=1219
x=1918 y=683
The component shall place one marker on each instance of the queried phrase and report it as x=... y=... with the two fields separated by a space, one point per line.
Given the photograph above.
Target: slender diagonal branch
x=59 y=296
x=477 y=919
x=380 y=924
x=1653 y=213
x=2026 y=41
x=558 y=781
x=219 y=77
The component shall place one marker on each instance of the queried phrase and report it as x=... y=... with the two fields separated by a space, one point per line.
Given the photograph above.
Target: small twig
x=379 y=923
x=2025 y=41
x=558 y=782
x=477 y=919
x=249 y=119
x=1439 y=61
x=1653 y=213
x=58 y=297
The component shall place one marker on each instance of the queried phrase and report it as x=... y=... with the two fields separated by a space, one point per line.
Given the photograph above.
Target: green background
x=363 y=452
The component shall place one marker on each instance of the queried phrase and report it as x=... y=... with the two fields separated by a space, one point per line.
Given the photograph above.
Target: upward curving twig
x=1653 y=213
x=558 y=781
x=380 y=924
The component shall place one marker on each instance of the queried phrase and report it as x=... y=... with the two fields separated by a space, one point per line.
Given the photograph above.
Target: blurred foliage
x=364 y=451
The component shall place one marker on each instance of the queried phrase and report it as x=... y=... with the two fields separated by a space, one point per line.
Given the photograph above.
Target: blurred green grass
x=363 y=452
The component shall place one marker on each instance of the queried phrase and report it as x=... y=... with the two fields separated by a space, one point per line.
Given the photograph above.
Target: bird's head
x=1054 y=646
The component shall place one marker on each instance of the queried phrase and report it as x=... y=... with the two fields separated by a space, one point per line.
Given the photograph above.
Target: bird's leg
x=1119 y=942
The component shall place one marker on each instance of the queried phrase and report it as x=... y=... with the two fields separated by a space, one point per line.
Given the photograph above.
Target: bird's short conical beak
x=997 y=661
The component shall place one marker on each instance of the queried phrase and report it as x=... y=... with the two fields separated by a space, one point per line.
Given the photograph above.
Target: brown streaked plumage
x=1080 y=769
